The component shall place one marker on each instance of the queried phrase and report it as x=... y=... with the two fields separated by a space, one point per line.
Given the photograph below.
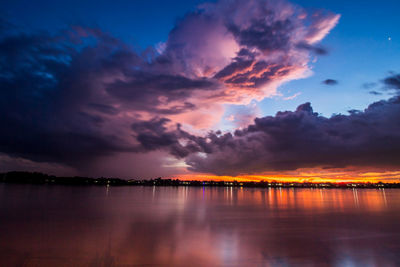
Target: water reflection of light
x=230 y=196
x=182 y=197
x=270 y=194
x=310 y=198
x=384 y=196
x=355 y=196
x=107 y=189
x=210 y=226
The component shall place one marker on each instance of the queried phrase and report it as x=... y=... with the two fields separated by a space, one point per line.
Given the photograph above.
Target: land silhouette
x=18 y=177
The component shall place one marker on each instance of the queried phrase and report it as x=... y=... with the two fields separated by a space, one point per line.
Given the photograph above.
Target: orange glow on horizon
x=309 y=177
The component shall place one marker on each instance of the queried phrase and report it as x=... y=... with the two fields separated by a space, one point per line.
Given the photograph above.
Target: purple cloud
x=74 y=96
x=303 y=139
x=299 y=139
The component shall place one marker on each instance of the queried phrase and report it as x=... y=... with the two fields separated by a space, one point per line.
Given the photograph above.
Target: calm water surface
x=188 y=226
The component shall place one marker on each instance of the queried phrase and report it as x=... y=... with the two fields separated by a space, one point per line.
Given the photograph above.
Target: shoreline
x=44 y=179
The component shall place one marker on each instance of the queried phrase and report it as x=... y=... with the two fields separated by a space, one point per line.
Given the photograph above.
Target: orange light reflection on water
x=211 y=226
x=299 y=199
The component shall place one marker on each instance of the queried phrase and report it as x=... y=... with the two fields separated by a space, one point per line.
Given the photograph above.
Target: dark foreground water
x=179 y=226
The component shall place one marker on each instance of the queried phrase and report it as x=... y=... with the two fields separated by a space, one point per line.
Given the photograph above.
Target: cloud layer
x=80 y=94
x=291 y=140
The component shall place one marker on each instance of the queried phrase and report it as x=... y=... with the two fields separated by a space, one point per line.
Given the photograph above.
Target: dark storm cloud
x=42 y=106
x=243 y=60
x=52 y=99
x=291 y=140
x=71 y=96
x=143 y=87
x=104 y=108
x=177 y=109
x=62 y=94
x=153 y=135
x=330 y=82
x=302 y=139
x=263 y=35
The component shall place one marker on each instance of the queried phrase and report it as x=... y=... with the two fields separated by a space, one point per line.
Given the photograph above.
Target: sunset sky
x=301 y=90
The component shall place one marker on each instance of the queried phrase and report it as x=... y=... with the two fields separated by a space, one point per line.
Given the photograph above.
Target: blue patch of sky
x=137 y=22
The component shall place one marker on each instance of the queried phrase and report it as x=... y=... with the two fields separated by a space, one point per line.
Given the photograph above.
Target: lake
x=51 y=225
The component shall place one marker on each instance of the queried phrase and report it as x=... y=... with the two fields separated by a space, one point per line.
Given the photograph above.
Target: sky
x=227 y=89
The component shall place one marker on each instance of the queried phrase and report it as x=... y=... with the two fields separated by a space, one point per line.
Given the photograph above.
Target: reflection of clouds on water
x=187 y=226
x=277 y=226
x=180 y=236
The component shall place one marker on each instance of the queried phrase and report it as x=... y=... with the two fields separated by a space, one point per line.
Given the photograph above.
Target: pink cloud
x=84 y=89
x=321 y=25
